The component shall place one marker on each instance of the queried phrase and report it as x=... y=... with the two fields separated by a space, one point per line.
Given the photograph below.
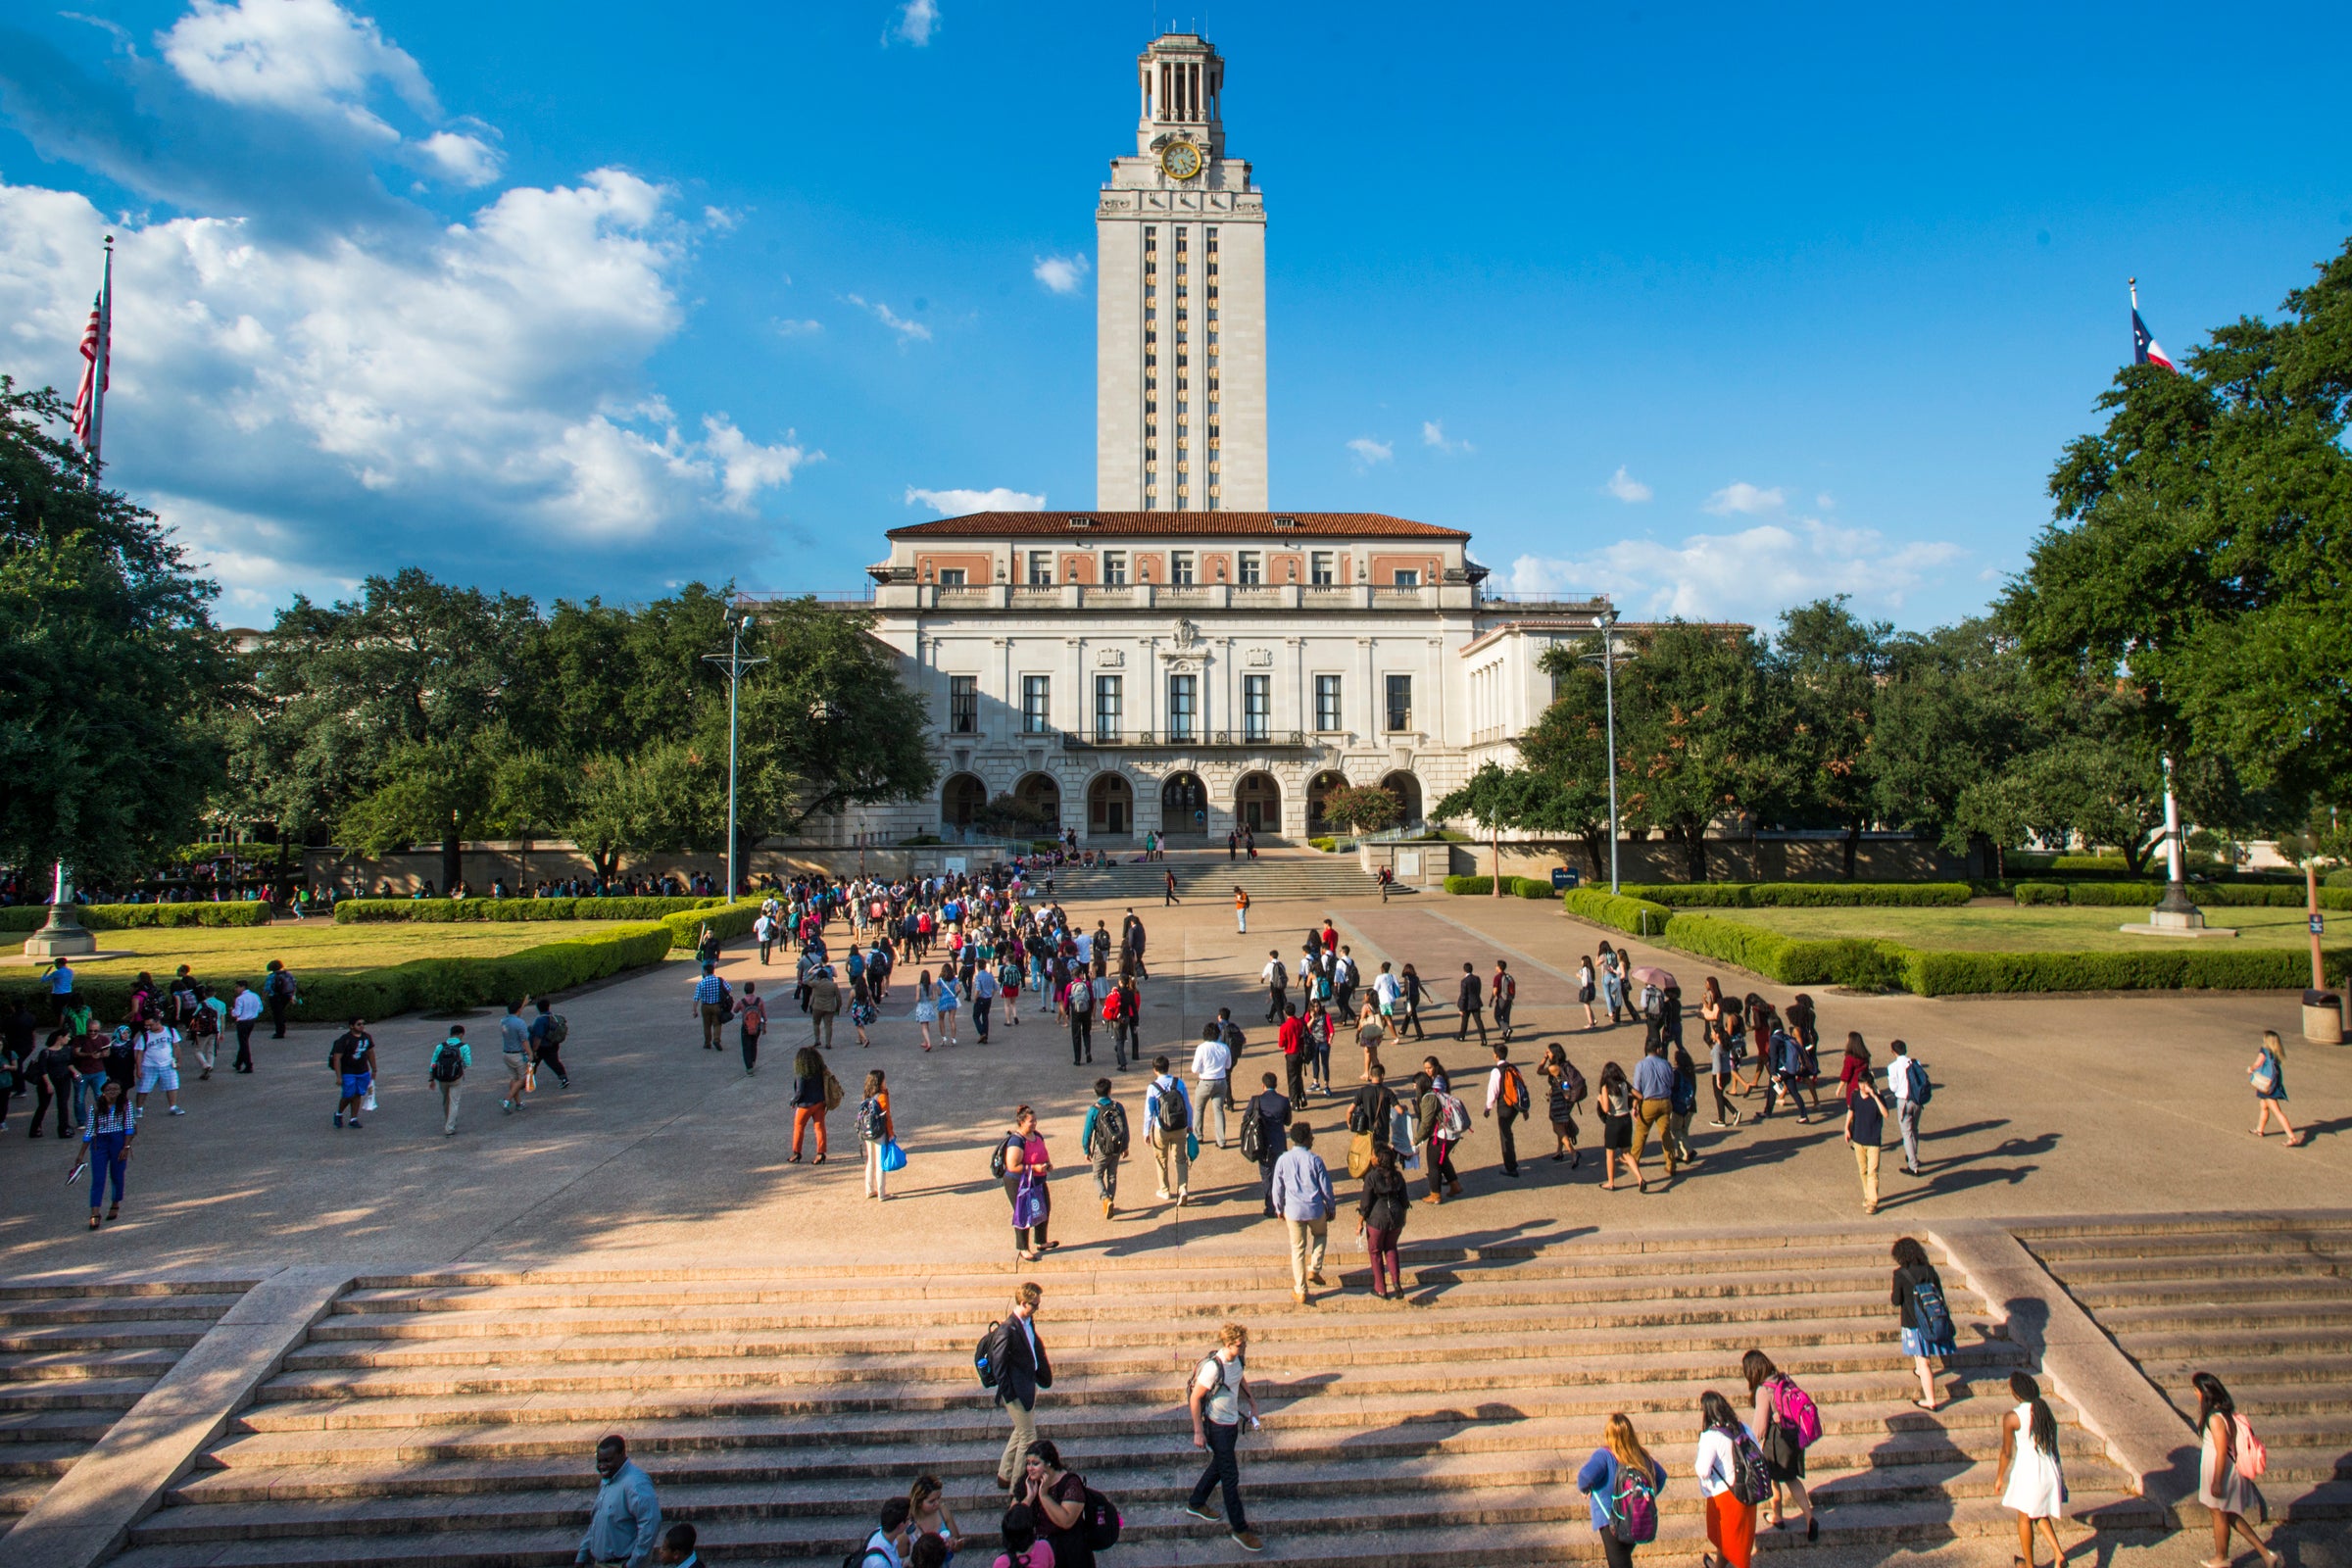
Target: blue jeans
x=85 y=1094
x=106 y=1151
x=1222 y=1471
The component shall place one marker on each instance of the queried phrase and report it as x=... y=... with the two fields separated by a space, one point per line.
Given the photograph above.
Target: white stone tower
x=1180 y=376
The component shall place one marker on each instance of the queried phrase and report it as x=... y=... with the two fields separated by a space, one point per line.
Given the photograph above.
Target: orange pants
x=802 y=1117
x=1731 y=1528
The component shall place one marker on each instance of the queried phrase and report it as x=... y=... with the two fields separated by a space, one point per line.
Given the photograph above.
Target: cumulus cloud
x=916 y=20
x=907 y=331
x=462 y=158
x=1748 y=577
x=1369 y=452
x=308 y=56
x=958 y=503
x=1063 y=274
x=803 y=328
x=1742 y=497
x=1625 y=487
x=1433 y=436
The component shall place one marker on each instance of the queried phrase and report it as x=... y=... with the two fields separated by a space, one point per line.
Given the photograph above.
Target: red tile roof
x=1177 y=525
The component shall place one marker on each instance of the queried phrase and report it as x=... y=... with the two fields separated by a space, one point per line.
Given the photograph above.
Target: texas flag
x=2146 y=350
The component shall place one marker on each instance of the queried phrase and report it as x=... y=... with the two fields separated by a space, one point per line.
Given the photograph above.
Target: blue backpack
x=1921 y=1088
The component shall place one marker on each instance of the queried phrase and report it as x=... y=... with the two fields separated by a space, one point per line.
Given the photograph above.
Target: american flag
x=93 y=376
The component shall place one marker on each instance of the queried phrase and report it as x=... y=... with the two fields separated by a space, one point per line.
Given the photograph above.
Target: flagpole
x=105 y=353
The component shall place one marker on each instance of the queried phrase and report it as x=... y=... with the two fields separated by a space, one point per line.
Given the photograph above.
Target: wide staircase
x=1207 y=875
x=450 y=1418
x=2264 y=1304
x=73 y=1358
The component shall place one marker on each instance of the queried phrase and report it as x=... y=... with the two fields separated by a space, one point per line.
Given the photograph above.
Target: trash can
x=2324 y=1017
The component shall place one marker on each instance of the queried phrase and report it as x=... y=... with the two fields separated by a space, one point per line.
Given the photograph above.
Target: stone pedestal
x=2323 y=1018
x=64 y=937
x=2175 y=913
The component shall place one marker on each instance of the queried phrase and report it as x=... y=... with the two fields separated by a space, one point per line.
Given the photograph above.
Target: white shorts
x=153 y=1078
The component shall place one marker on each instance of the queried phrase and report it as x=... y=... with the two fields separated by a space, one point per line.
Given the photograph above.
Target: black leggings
x=46 y=1089
x=1723 y=1107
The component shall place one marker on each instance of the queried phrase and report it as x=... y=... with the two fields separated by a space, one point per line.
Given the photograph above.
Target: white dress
x=2036 y=1487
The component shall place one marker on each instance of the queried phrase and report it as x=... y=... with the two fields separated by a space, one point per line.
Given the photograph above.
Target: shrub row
x=1470 y=884
x=1534 y=886
x=2145 y=894
x=124 y=916
x=1634 y=916
x=442 y=911
x=1801 y=895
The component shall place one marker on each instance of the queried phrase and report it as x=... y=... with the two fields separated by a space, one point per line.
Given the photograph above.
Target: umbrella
x=1650 y=974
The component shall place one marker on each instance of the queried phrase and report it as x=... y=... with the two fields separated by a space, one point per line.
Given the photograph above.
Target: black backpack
x=1098 y=1522
x=1111 y=1124
x=996 y=1161
x=1175 y=1115
x=1254 y=1135
x=448 y=1066
x=989 y=1354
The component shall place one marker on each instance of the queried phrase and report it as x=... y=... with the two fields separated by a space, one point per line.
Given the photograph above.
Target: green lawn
x=2038 y=928
x=224 y=955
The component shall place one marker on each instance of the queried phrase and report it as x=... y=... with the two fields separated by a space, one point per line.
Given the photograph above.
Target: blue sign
x=1564 y=877
x=2319 y=925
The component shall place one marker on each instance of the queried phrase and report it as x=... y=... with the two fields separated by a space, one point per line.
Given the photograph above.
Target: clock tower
x=1180 y=335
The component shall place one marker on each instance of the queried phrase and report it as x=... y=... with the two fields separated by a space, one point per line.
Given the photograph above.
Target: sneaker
x=339 y=1119
x=1719 y=1122
x=1107 y=1209
x=1249 y=1540
x=179 y=1110
x=1202 y=1513
x=1183 y=1196
x=354 y=1122
x=1164 y=1195
x=507 y=1106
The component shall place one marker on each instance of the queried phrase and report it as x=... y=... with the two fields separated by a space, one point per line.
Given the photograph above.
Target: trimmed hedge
x=1470 y=884
x=1532 y=887
x=441 y=911
x=2145 y=894
x=1634 y=916
x=1803 y=895
x=2190 y=967
x=126 y=916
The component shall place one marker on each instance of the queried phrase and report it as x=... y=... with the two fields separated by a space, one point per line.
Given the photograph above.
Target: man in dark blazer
x=1272 y=1109
x=1026 y=1369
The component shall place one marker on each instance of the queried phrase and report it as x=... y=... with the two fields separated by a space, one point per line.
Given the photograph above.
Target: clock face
x=1181 y=160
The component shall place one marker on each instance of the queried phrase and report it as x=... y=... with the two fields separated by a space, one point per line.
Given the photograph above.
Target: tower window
x=1318 y=569
x=1041 y=569
x=1252 y=565
x=1114 y=568
x=1180 y=567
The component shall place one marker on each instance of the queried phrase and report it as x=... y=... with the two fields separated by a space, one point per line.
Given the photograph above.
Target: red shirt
x=1293 y=1035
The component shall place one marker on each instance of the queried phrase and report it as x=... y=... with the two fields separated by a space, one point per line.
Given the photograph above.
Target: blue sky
x=1711 y=308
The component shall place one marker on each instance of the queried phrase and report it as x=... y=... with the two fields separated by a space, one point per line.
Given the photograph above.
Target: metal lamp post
x=1607 y=621
x=739 y=620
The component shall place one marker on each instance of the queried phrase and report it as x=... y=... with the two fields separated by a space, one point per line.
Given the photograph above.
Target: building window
x=1318 y=571
x=963 y=704
x=1253 y=565
x=1114 y=568
x=1257 y=707
x=1106 y=708
x=1180 y=562
x=1407 y=578
x=1327 y=703
x=951 y=576
x=1400 y=703
x=1184 y=706
x=1041 y=569
x=1037 y=704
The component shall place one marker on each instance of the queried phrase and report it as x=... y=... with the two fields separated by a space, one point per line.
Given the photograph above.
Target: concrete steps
x=449 y=1419
x=73 y=1357
x=1211 y=878
x=2265 y=1304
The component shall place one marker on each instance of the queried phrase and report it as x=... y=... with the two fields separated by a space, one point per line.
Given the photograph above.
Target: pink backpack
x=1797 y=1411
x=2247 y=1457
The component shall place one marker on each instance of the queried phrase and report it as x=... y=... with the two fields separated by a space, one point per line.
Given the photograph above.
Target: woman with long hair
x=1854 y=1069
x=2267 y=1075
x=1615 y=1478
x=1027 y=1168
x=1380 y=1213
x=1615 y=1105
x=2029 y=1481
x=1730 y=1522
x=808 y=1075
x=2226 y=1492
x=1919 y=1296
x=928 y=1514
x=1411 y=996
x=1784 y=1455
x=873 y=1131
x=1562 y=1075
x=926 y=1006
x=1586 y=985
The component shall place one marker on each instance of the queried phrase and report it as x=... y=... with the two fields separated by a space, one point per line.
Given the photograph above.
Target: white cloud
x=1433 y=435
x=788 y=328
x=958 y=503
x=918 y=20
x=465 y=159
x=308 y=56
x=907 y=331
x=1625 y=487
x=1063 y=274
x=1825 y=501
x=1369 y=452
x=723 y=221
x=1747 y=577
x=1742 y=497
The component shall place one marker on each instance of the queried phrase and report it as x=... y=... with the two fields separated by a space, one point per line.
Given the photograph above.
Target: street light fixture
x=1607 y=621
x=739 y=620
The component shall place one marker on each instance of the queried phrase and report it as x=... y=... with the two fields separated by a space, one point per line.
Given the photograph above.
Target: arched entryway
x=1407 y=790
x=1258 y=803
x=1109 y=806
x=1318 y=790
x=1041 y=793
x=1183 y=805
x=962 y=801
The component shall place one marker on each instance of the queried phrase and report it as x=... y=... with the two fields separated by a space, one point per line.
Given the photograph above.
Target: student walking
x=1278 y=984
x=1264 y=1136
x=1502 y=990
x=1777 y=1422
x=1295 y=1051
x=926 y=1006
x=1470 y=1003
x=353 y=1058
x=278 y=984
x=1169 y=1115
x=1865 y=1132
x=1615 y=1107
x=628 y=1517
x=1168 y=893
x=1022 y=1367
x=244 y=1011
x=1441 y=1120
x=1212 y=1076
x=1565 y=1087
x=106 y=1147
x=1078 y=1005
x=158 y=1067
x=515 y=1049
x=984 y=995
x=2031 y=1482
x=2226 y=1469
x=874 y=1129
x=1731 y=1474
x=710 y=1005
x=1303 y=1196
x=1908 y=1082
x=1926 y=1317
x=2267 y=1076
x=1410 y=984
x=1220 y=1389
x=812 y=1087
x=446 y=1071
x=1380 y=1216
x=750 y=1022
x=1507 y=1101
x=1623 y=1482
x=1586 y=988
x=1241 y=909
x=1027 y=1166
x=824 y=1007
x=1104 y=1139
x=550 y=1030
